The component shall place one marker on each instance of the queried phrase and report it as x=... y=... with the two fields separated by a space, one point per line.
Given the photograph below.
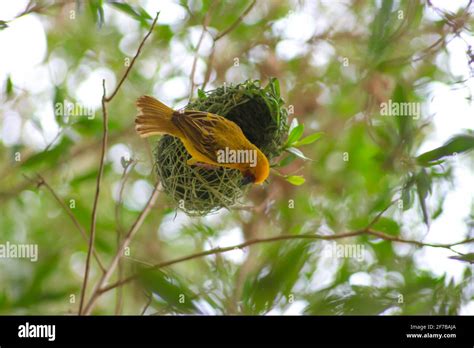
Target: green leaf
x=201 y=94
x=360 y=300
x=201 y=229
x=275 y=277
x=295 y=135
x=272 y=103
x=466 y=258
x=293 y=124
x=3 y=25
x=275 y=86
x=380 y=30
x=286 y=161
x=59 y=101
x=457 y=144
x=404 y=124
x=439 y=210
x=9 y=87
x=90 y=175
x=48 y=158
x=296 y=180
x=434 y=163
x=126 y=8
x=387 y=225
x=423 y=185
x=169 y=288
x=100 y=11
x=406 y=192
x=144 y=14
x=309 y=139
x=97 y=11
x=297 y=153
x=137 y=13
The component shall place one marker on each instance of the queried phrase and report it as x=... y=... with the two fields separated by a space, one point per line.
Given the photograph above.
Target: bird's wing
x=208 y=132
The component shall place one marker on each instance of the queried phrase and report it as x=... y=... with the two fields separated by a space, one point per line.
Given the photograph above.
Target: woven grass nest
x=259 y=112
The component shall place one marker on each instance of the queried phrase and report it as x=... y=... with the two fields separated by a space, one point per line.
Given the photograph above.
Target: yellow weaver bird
x=204 y=135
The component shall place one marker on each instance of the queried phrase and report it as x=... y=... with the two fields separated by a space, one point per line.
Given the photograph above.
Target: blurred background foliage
x=336 y=62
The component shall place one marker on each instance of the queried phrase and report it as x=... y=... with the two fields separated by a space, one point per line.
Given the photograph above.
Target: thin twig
x=125 y=243
x=96 y=198
x=237 y=22
x=8 y=171
x=285 y=237
x=134 y=228
x=42 y=182
x=210 y=59
x=147 y=304
x=118 y=221
x=415 y=242
x=108 y=99
x=219 y=36
x=205 y=23
x=380 y=214
x=123 y=180
x=51 y=143
x=78 y=151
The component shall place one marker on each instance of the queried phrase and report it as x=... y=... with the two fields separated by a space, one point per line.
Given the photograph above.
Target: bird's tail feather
x=154 y=118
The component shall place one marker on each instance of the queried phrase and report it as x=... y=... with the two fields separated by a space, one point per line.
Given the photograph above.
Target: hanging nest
x=260 y=114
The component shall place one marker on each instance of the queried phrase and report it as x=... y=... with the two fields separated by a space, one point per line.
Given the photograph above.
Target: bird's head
x=258 y=173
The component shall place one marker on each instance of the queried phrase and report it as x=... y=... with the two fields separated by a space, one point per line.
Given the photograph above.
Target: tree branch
x=220 y=36
x=125 y=243
x=205 y=23
x=96 y=198
x=135 y=227
x=122 y=80
x=237 y=22
x=42 y=182
x=119 y=228
x=118 y=206
x=415 y=242
x=285 y=237
x=78 y=151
